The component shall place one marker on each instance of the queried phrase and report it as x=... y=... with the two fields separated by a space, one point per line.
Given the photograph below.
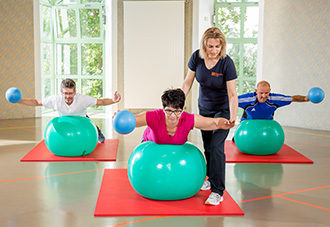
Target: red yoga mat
x=103 y=152
x=285 y=155
x=118 y=198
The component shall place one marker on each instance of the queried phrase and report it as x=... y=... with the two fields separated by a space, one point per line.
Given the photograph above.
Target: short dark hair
x=68 y=83
x=174 y=98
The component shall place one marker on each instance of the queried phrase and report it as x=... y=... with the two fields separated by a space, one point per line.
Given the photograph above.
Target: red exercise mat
x=285 y=155
x=103 y=152
x=118 y=198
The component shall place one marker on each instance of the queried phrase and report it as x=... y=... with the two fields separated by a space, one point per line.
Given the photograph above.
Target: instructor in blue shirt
x=215 y=72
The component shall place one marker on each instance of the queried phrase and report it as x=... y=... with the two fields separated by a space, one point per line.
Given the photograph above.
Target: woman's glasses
x=169 y=112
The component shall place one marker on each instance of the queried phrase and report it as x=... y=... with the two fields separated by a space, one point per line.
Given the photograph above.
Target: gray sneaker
x=206 y=185
x=214 y=199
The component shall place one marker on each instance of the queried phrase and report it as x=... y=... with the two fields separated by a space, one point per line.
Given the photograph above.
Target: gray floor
x=64 y=194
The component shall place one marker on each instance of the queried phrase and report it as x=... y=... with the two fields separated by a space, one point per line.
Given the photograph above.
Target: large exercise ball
x=166 y=172
x=13 y=95
x=316 y=95
x=124 y=122
x=259 y=137
x=71 y=136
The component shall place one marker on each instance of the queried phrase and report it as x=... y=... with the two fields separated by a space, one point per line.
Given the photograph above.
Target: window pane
x=46 y=87
x=66 y=23
x=92 y=59
x=94 y=88
x=229 y=0
x=46 y=58
x=248 y=86
x=250 y=60
x=229 y=21
x=66 y=59
x=98 y=1
x=233 y=52
x=46 y=25
x=70 y=1
x=251 y=22
x=90 y=23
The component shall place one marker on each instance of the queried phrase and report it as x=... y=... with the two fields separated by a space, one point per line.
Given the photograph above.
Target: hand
x=229 y=124
x=115 y=114
x=116 y=97
x=225 y=124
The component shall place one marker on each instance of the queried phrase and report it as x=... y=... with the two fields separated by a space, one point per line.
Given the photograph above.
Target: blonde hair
x=213 y=33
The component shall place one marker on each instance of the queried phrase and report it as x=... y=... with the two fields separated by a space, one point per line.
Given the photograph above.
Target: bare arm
x=233 y=100
x=187 y=83
x=105 y=102
x=30 y=102
x=209 y=124
x=300 y=98
x=141 y=119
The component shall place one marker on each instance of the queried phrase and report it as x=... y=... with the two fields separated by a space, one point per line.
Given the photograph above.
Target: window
x=238 y=20
x=73 y=46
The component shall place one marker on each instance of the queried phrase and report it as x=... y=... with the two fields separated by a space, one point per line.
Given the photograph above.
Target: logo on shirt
x=216 y=74
x=253 y=109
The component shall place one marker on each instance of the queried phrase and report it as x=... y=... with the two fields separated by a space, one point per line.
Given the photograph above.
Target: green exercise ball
x=259 y=137
x=166 y=172
x=71 y=136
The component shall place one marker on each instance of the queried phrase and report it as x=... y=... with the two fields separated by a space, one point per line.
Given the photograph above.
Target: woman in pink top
x=171 y=125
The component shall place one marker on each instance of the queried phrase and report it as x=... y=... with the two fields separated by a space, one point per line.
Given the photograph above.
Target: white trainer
x=214 y=199
x=206 y=185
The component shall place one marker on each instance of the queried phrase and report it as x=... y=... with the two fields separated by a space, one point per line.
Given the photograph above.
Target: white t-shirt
x=77 y=108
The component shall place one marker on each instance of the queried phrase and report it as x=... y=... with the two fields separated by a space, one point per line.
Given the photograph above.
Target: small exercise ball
x=124 y=122
x=166 y=172
x=316 y=95
x=71 y=136
x=13 y=95
x=259 y=137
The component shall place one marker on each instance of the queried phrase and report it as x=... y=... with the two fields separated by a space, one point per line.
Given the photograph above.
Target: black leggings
x=214 y=146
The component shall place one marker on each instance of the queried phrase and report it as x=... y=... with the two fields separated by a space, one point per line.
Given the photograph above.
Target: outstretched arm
x=300 y=98
x=187 y=83
x=209 y=124
x=105 y=102
x=141 y=119
x=30 y=102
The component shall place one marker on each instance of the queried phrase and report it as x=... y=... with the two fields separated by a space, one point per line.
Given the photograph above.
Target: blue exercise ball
x=259 y=137
x=316 y=95
x=124 y=122
x=13 y=95
x=71 y=136
x=166 y=172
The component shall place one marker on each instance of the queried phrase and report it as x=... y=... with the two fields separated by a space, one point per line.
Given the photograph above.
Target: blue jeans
x=214 y=146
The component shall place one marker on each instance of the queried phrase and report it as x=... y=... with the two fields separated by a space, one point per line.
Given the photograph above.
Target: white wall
x=296 y=57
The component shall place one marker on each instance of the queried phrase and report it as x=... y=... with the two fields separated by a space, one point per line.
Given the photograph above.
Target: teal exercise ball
x=259 y=137
x=166 y=172
x=71 y=136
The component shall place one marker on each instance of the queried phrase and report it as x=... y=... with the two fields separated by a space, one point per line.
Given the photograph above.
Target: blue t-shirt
x=253 y=109
x=213 y=89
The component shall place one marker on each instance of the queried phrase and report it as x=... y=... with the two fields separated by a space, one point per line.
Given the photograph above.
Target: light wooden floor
x=57 y=194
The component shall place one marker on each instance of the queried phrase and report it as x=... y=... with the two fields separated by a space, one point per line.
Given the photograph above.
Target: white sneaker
x=206 y=185
x=214 y=199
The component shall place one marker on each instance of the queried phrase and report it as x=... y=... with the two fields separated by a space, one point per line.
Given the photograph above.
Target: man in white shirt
x=69 y=102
